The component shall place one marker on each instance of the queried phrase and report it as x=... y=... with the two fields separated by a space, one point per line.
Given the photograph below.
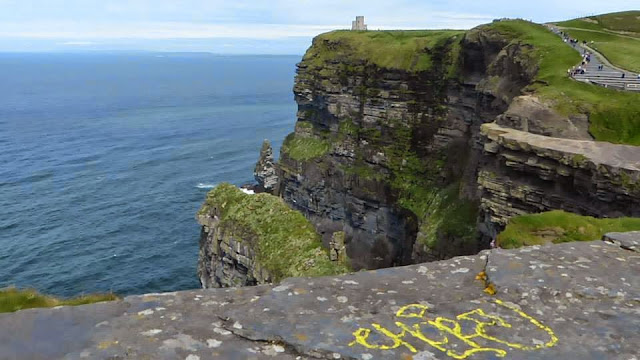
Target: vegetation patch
x=305 y=148
x=614 y=116
x=12 y=299
x=627 y=22
x=442 y=212
x=449 y=217
x=403 y=49
x=558 y=227
x=285 y=242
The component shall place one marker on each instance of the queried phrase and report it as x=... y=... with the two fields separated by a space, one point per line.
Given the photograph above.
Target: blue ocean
x=106 y=158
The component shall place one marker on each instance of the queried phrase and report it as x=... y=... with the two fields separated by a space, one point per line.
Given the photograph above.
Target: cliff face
x=388 y=147
x=522 y=173
x=394 y=162
x=227 y=258
x=392 y=153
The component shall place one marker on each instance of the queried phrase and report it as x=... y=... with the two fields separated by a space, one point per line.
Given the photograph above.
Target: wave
x=206 y=186
x=247 y=191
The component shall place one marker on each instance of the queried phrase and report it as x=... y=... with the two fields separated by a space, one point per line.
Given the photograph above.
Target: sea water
x=106 y=158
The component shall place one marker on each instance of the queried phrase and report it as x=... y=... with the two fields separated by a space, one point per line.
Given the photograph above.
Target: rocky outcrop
x=529 y=114
x=390 y=140
x=250 y=239
x=523 y=173
x=265 y=170
x=227 y=258
x=574 y=300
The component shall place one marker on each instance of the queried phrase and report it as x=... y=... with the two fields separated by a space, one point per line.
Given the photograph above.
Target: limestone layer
x=524 y=173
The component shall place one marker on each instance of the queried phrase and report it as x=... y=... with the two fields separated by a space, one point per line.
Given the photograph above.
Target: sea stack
x=265 y=171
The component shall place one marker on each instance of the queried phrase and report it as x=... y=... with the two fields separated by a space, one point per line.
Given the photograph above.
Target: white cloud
x=78 y=31
x=75 y=32
x=77 y=43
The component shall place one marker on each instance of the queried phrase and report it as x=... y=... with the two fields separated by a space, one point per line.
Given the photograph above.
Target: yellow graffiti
x=450 y=328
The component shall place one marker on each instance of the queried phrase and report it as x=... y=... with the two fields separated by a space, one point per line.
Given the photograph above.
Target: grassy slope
x=616 y=36
x=558 y=227
x=625 y=22
x=287 y=242
x=388 y=49
x=12 y=299
x=614 y=115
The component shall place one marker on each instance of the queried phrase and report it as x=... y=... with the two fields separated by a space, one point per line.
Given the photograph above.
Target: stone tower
x=358 y=24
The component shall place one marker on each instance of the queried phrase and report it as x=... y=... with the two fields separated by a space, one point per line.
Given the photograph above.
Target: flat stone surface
x=628 y=240
x=599 y=152
x=574 y=300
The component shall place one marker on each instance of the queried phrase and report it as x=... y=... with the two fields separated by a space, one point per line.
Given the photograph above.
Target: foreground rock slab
x=568 y=301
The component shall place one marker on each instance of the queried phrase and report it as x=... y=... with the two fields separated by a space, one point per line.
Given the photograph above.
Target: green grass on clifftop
x=403 y=50
x=558 y=227
x=12 y=299
x=626 y=22
x=285 y=242
x=614 y=115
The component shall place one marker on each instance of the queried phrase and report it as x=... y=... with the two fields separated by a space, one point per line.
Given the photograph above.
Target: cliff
x=523 y=173
x=575 y=300
x=392 y=150
x=256 y=239
x=415 y=146
x=368 y=155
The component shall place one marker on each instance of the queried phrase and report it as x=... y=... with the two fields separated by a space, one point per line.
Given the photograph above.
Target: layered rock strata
x=227 y=258
x=391 y=146
x=389 y=156
x=523 y=173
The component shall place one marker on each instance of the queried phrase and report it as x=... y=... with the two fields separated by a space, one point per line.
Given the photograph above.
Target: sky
x=249 y=27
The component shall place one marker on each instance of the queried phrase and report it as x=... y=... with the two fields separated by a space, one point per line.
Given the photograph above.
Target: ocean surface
x=105 y=159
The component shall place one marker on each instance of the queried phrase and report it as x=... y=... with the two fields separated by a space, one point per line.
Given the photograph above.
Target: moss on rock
x=285 y=242
x=558 y=226
x=12 y=299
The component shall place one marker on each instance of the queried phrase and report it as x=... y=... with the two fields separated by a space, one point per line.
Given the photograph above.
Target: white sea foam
x=247 y=191
x=206 y=186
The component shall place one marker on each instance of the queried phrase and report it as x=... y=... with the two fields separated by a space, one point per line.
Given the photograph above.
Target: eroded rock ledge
x=574 y=300
x=523 y=173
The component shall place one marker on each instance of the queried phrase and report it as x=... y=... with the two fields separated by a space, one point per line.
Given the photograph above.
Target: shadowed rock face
x=528 y=113
x=574 y=300
x=523 y=173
